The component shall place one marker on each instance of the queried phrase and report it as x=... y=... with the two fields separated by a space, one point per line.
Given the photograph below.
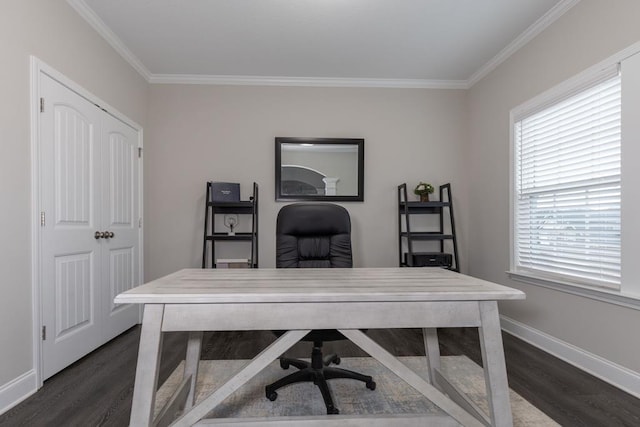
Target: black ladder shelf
x=211 y=236
x=446 y=232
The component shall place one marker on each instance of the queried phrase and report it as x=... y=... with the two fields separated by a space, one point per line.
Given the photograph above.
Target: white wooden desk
x=299 y=300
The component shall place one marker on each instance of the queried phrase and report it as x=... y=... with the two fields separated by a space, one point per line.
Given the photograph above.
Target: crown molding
x=305 y=81
x=98 y=24
x=536 y=28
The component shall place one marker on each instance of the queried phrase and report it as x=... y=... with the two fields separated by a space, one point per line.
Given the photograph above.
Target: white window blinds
x=567 y=201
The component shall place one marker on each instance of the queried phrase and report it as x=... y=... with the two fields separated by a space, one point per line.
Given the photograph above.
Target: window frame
x=517 y=116
x=628 y=295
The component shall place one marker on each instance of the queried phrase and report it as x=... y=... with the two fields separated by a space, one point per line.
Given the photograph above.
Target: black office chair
x=315 y=235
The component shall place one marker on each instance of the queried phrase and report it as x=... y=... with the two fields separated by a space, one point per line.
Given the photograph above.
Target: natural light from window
x=567 y=193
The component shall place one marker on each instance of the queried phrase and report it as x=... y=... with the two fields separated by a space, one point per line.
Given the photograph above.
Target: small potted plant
x=423 y=190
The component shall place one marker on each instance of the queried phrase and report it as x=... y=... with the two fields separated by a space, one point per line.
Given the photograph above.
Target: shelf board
x=426 y=235
x=444 y=267
x=423 y=207
x=237 y=236
x=244 y=207
x=242 y=203
x=434 y=204
x=234 y=268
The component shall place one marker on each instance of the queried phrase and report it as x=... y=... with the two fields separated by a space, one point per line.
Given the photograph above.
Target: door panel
x=69 y=189
x=120 y=257
x=121 y=155
x=121 y=275
x=73 y=288
x=73 y=166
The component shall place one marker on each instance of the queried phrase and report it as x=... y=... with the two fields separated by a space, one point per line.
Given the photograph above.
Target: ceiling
x=396 y=43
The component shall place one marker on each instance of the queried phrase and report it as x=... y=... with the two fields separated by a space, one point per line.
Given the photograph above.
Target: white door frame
x=37 y=67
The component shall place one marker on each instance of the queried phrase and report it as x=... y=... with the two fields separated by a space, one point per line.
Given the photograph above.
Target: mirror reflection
x=319 y=169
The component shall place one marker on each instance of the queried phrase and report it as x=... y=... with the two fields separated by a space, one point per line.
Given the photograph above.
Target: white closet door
x=120 y=253
x=71 y=204
x=89 y=184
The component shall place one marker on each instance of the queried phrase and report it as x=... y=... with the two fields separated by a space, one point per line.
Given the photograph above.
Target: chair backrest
x=313 y=235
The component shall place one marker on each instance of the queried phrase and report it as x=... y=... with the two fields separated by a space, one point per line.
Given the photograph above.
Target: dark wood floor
x=97 y=390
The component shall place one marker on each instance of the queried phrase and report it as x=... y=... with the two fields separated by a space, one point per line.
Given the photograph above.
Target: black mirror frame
x=347 y=141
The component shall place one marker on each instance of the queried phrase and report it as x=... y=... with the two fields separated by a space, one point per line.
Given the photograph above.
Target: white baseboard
x=616 y=375
x=16 y=390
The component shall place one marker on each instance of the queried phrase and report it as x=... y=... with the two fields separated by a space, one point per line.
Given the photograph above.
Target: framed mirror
x=326 y=169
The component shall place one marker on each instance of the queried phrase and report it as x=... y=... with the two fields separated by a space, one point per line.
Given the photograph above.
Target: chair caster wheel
x=272 y=395
x=284 y=364
x=371 y=385
x=337 y=361
x=332 y=411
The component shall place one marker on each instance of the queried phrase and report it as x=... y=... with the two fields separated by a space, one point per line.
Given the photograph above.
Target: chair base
x=319 y=372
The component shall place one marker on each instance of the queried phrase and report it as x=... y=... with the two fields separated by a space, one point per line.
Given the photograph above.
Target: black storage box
x=428 y=259
x=225 y=192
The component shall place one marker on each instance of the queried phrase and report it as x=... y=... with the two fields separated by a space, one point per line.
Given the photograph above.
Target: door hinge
x=139 y=152
x=44 y=333
x=140 y=223
x=42 y=219
x=42 y=105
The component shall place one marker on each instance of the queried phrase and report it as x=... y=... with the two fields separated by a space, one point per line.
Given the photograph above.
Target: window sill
x=599 y=294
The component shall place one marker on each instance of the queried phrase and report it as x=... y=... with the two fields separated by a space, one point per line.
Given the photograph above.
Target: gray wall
x=589 y=33
x=226 y=133
x=55 y=33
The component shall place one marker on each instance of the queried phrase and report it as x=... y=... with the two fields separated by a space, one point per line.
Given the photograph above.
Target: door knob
x=98 y=235
x=108 y=234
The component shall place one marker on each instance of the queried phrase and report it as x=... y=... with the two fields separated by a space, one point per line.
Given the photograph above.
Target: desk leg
x=432 y=351
x=191 y=363
x=257 y=364
x=144 y=391
x=495 y=372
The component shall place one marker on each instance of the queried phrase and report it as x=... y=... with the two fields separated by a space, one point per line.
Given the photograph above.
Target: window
x=567 y=192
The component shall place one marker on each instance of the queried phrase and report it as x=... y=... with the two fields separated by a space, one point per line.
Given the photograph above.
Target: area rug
x=392 y=395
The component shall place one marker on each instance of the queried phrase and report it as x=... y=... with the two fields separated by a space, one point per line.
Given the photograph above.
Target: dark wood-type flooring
x=97 y=390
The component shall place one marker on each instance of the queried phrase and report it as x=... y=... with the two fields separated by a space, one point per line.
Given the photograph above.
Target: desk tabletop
x=210 y=286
